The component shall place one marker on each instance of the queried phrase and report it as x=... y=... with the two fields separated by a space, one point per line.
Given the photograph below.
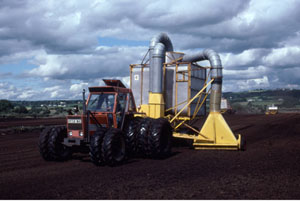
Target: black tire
x=96 y=147
x=243 y=144
x=43 y=143
x=160 y=138
x=57 y=150
x=143 y=137
x=113 y=147
x=131 y=131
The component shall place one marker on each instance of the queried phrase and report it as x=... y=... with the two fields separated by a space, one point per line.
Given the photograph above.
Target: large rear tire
x=131 y=132
x=143 y=137
x=43 y=144
x=57 y=150
x=96 y=147
x=160 y=138
x=113 y=147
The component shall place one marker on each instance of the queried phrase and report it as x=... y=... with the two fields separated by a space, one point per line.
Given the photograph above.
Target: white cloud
x=48 y=65
x=78 y=87
x=245 y=58
x=104 y=62
x=283 y=57
x=60 y=39
x=27 y=94
x=7 y=91
x=244 y=85
x=246 y=74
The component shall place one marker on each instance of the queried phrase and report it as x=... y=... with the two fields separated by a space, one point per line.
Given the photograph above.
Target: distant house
x=62 y=104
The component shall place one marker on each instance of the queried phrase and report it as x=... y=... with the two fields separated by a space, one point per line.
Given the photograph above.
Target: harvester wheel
x=143 y=137
x=131 y=131
x=43 y=144
x=96 y=147
x=243 y=144
x=57 y=150
x=113 y=147
x=160 y=138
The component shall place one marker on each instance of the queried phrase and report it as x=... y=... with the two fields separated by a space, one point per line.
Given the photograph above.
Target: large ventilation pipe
x=159 y=45
x=216 y=74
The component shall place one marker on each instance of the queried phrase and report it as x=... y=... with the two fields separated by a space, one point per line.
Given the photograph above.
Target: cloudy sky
x=51 y=49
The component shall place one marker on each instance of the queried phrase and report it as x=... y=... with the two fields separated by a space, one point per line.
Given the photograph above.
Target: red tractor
x=107 y=129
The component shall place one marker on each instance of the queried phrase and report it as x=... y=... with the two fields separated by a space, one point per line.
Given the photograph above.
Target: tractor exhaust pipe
x=83 y=102
x=216 y=74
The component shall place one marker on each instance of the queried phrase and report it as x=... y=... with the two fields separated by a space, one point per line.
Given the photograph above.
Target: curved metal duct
x=216 y=74
x=161 y=38
x=159 y=45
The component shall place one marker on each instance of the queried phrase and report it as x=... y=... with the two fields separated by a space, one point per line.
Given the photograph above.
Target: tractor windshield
x=103 y=102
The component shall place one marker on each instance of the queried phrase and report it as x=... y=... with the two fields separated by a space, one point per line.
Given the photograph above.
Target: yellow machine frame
x=214 y=134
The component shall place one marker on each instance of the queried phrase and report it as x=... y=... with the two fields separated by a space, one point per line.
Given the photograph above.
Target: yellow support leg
x=218 y=133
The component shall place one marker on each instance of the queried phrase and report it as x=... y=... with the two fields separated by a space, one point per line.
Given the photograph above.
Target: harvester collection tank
x=174 y=86
x=181 y=82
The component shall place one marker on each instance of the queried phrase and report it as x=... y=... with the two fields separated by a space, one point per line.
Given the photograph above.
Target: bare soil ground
x=268 y=169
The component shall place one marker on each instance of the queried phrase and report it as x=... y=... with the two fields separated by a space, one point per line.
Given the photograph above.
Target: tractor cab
x=106 y=107
x=108 y=129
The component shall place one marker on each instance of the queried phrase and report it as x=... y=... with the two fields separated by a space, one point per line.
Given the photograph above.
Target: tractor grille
x=74 y=126
x=74 y=123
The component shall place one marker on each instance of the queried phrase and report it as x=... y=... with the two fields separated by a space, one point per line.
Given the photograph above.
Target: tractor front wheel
x=96 y=147
x=57 y=150
x=113 y=147
x=43 y=144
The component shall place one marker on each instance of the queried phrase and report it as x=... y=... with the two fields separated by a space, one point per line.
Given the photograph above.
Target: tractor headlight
x=70 y=133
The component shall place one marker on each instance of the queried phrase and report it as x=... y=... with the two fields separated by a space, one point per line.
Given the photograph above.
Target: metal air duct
x=216 y=74
x=159 y=45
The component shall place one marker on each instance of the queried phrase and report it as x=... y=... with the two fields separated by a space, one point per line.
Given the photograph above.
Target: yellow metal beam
x=192 y=137
x=191 y=100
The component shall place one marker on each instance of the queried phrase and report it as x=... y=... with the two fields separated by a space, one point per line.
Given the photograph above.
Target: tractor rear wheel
x=113 y=147
x=96 y=147
x=143 y=137
x=160 y=138
x=57 y=150
x=43 y=143
x=131 y=131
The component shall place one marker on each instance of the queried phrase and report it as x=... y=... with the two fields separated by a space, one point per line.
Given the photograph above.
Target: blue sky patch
x=17 y=68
